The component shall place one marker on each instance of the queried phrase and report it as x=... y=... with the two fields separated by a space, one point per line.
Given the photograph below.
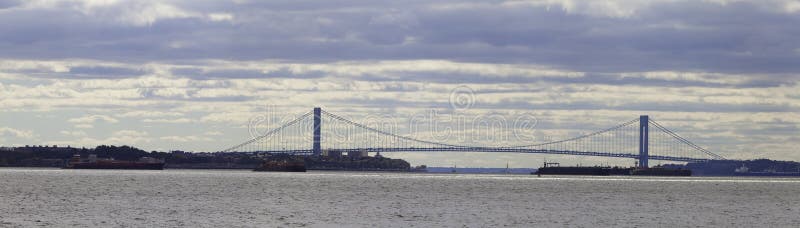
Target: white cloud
x=138 y=13
x=74 y=133
x=190 y=138
x=47 y=66
x=630 y=8
x=127 y=137
x=792 y=6
x=84 y=126
x=149 y=114
x=171 y=92
x=93 y=119
x=179 y=120
x=719 y=78
x=25 y=134
x=229 y=117
x=220 y=17
x=592 y=62
x=148 y=13
x=607 y=8
x=121 y=137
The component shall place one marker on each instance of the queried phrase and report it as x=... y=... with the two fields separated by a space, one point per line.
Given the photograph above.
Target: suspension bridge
x=641 y=138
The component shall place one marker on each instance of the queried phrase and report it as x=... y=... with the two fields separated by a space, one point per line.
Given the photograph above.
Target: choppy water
x=214 y=198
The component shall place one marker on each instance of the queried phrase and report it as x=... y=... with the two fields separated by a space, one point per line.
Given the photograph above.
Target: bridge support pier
x=644 y=140
x=317 y=147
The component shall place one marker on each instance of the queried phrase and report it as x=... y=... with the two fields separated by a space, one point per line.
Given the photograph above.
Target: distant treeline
x=728 y=167
x=56 y=156
x=363 y=163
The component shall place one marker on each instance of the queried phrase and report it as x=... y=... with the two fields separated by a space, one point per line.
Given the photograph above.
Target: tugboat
x=419 y=169
x=95 y=163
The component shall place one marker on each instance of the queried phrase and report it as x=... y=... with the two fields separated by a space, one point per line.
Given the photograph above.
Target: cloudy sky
x=191 y=75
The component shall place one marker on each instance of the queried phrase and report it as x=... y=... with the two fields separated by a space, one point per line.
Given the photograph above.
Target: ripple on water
x=208 y=198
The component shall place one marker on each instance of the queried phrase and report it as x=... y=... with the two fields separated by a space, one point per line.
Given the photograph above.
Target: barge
x=557 y=169
x=93 y=162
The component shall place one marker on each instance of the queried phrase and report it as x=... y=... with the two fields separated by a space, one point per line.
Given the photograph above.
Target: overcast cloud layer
x=166 y=75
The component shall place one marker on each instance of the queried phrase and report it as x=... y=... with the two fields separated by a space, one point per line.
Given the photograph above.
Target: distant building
x=358 y=154
x=332 y=153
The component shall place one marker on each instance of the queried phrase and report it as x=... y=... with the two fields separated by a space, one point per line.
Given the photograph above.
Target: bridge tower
x=317 y=147
x=644 y=138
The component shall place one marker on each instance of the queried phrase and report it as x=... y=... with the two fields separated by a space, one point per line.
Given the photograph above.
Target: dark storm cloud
x=738 y=37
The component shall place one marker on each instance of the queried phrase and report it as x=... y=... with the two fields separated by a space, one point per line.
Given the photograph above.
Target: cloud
x=127 y=137
x=4 y=4
x=147 y=14
x=84 y=126
x=721 y=71
x=629 y=8
x=149 y=113
x=137 y=13
x=93 y=119
x=613 y=9
x=179 y=120
x=190 y=138
x=119 y=137
x=220 y=17
x=24 y=134
x=74 y=133
x=614 y=35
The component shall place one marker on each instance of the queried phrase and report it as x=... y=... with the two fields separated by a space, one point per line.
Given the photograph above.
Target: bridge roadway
x=498 y=150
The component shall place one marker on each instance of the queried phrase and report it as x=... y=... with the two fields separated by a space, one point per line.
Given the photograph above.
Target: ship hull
x=662 y=172
x=611 y=171
x=583 y=171
x=282 y=167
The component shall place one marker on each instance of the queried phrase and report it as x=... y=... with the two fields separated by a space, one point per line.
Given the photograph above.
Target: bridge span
x=642 y=139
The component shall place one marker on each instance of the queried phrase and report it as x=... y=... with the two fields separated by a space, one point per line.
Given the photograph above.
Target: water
x=213 y=198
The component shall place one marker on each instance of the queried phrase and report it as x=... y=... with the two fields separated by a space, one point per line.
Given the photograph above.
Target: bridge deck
x=499 y=150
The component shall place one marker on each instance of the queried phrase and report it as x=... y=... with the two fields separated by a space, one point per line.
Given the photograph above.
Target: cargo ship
x=557 y=169
x=282 y=166
x=94 y=163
